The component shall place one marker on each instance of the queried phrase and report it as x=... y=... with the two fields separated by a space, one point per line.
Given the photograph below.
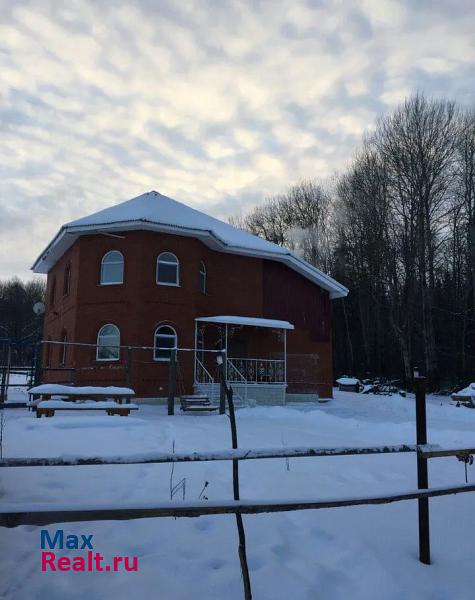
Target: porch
x=255 y=357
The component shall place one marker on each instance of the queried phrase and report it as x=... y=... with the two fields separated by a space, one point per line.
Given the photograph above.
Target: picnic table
x=71 y=393
x=67 y=397
x=49 y=407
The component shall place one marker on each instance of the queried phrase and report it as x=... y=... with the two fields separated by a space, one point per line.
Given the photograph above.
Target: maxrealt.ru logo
x=90 y=561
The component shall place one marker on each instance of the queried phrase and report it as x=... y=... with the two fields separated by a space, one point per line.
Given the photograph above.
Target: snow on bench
x=74 y=394
x=48 y=407
x=465 y=396
x=56 y=389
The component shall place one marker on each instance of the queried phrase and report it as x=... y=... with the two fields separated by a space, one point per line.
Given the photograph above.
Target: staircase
x=245 y=393
x=212 y=391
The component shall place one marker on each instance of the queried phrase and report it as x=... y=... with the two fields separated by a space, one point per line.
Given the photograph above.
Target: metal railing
x=257 y=370
x=202 y=375
x=238 y=380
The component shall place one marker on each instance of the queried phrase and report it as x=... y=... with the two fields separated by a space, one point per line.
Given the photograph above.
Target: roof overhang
x=248 y=321
x=68 y=234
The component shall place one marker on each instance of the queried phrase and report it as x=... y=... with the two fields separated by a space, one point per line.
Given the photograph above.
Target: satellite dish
x=39 y=308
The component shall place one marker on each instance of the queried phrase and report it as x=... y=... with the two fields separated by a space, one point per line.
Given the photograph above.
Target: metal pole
x=422 y=474
x=226 y=354
x=222 y=384
x=196 y=345
x=285 y=356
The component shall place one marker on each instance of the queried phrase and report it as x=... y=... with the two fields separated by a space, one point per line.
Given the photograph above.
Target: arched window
x=67 y=280
x=168 y=269
x=108 y=343
x=203 y=277
x=112 y=268
x=165 y=339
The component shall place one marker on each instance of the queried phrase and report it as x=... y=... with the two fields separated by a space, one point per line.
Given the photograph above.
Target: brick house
x=128 y=283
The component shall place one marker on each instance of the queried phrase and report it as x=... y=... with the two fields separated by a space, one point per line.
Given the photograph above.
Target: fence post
x=38 y=363
x=422 y=474
x=3 y=382
x=129 y=366
x=172 y=382
x=246 y=580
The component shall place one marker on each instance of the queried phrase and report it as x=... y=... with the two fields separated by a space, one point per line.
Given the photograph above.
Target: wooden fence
x=13 y=515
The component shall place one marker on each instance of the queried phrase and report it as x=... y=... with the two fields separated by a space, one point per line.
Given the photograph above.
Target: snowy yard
x=335 y=554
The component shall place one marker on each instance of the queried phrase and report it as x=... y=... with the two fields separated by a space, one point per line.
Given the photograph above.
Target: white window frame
x=117 y=262
x=98 y=346
x=175 y=263
x=204 y=275
x=168 y=335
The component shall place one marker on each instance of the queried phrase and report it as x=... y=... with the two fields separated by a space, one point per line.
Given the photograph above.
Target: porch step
x=246 y=394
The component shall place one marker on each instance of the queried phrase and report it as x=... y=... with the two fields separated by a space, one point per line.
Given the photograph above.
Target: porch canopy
x=244 y=368
x=250 y=321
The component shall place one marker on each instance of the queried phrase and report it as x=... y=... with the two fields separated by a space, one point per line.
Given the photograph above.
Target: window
x=203 y=277
x=64 y=348
x=108 y=343
x=168 y=269
x=112 y=268
x=67 y=280
x=165 y=339
x=52 y=293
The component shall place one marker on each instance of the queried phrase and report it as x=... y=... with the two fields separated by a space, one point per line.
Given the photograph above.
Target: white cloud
x=204 y=102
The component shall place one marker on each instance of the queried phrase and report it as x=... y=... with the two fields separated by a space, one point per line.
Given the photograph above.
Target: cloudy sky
x=218 y=104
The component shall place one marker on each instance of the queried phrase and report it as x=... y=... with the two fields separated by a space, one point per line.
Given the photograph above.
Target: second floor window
x=112 y=268
x=168 y=269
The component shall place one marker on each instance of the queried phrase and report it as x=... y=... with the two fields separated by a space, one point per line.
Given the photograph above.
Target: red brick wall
x=236 y=285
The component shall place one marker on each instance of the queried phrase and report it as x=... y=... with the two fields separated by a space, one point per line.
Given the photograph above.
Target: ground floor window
x=108 y=343
x=165 y=340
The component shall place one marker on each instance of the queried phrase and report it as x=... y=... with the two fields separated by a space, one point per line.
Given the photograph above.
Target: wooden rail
x=34 y=514
x=437 y=452
x=237 y=454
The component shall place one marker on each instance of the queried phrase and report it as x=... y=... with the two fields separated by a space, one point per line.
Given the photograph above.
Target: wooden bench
x=49 y=407
x=71 y=394
x=196 y=403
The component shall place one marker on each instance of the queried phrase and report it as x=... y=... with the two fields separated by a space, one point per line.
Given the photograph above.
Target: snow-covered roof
x=469 y=391
x=348 y=381
x=155 y=212
x=251 y=321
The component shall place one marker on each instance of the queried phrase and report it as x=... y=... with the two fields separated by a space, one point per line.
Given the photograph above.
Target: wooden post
x=246 y=580
x=422 y=474
x=172 y=382
x=3 y=385
x=129 y=367
x=38 y=366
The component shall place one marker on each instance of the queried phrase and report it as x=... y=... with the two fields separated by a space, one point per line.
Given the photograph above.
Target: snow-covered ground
x=336 y=554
